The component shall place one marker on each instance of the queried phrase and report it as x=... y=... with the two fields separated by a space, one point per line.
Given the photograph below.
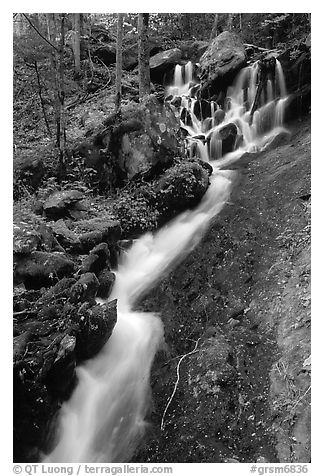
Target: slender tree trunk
x=52 y=35
x=57 y=60
x=76 y=43
x=61 y=93
x=143 y=55
x=230 y=21
x=119 y=59
x=42 y=99
x=214 y=29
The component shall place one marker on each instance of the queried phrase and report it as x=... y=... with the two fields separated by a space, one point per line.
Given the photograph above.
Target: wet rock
x=106 y=282
x=85 y=289
x=296 y=64
x=162 y=63
x=95 y=327
x=41 y=268
x=65 y=203
x=186 y=117
x=176 y=101
x=50 y=341
x=60 y=378
x=228 y=136
x=97 y=260
x=224 y=57
x=219 y=116
x=205 y=165
x=182 y=186
x=202 y=109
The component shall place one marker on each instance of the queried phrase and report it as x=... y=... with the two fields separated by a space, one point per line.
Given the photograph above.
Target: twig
x=19 y=313
x=177 y=382
x=109 y=77
x=37 y=31
x=299 y=400
x=257 y=47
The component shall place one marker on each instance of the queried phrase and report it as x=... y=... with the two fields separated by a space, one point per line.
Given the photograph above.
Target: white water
x=105 y=418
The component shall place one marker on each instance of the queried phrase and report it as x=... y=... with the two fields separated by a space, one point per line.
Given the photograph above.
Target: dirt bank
x=244 y=292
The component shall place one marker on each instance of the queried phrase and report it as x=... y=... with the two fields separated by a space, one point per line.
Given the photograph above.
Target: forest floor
x=244 y=292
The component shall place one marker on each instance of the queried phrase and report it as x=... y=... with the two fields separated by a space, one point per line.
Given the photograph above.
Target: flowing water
x=105 y=417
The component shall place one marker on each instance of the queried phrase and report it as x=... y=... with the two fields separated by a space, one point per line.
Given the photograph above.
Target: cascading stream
x=105 y=417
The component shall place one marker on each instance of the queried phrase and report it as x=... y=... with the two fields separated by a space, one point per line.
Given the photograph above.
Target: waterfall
x=188 y=72
x=178 y=81
x=105 y=417
x=280 y=78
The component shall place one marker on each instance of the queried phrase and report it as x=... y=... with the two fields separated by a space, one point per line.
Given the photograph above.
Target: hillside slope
x=244 y=292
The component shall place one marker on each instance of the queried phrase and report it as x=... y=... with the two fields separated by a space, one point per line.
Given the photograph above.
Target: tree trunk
x=76 y=43
x=143 y=55
x=52 y=35
x=42 y=99
x=119 y=58
x=230 y=21
x=214 y=29
x=62 y=91
x=57 y=62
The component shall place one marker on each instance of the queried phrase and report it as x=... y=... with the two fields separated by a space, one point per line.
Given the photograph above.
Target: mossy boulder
x=181 y=187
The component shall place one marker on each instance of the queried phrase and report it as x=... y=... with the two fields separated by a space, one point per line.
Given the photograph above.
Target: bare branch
x=39 y=33
x=177 y=382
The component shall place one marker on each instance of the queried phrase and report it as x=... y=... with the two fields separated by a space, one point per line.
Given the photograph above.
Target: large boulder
x=228 y=134
x=107 y=53
x=180 y=187
x=147 y=135
x=65 y=203
x=96 y=324
x=82 y=236
x=221 y=62
x=162 y=63
x=40 y=268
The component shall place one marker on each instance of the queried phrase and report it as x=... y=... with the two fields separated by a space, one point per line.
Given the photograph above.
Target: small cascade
x=182 y=80
x=188 y=72
x=105 y=417
x=178 y=81
x=280 y=79
x=255 y=126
